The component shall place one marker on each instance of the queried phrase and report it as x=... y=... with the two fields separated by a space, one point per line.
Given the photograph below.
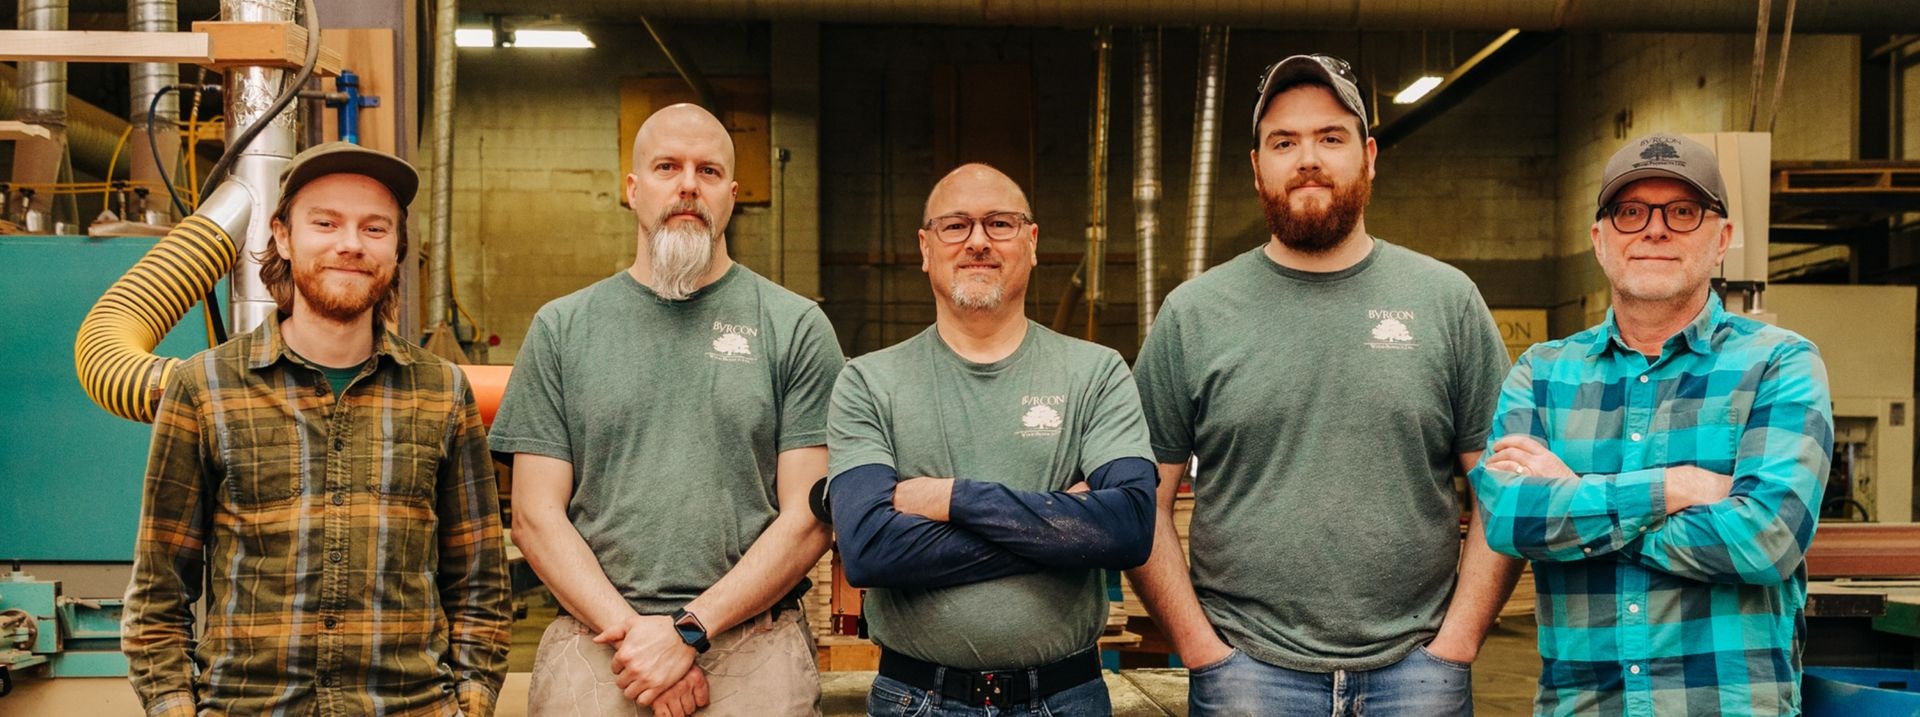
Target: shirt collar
x=269 y=346
x=1696 y=336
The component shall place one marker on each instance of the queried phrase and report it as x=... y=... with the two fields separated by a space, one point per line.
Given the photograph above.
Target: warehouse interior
x=1124 y=121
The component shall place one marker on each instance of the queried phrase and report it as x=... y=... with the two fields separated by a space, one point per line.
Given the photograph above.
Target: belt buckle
x=987 y=687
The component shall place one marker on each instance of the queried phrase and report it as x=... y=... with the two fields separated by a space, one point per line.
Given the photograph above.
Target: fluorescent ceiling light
x=551 y=38
x=473 y=37
x=1417 y=90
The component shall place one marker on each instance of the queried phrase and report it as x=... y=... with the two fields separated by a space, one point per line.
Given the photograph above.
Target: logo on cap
x=1658 y=151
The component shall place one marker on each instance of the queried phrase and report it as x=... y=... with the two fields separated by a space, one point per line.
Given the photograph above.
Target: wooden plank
x=11 y=130
x=368 y=52
x=104 y=46
x=264 y=44
x=1864 y=550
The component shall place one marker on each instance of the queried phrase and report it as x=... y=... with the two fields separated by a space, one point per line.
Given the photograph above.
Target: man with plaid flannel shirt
x=1663 y=469
x=326 y=483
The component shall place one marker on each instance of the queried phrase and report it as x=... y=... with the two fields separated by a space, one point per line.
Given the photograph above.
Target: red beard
x=1316 y=231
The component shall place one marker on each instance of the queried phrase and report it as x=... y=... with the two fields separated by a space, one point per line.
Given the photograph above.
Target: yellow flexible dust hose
x=114 y=350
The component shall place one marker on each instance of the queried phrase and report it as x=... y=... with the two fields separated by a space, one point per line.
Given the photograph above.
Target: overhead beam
x=1505 y=52
x=217 y=45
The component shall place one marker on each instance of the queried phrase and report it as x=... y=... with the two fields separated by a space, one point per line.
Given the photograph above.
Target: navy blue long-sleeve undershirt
x=992 y=531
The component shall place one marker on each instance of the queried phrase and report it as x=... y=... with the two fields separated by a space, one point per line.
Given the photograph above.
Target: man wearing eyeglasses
x=1663 y=469
x=1328 y=384
x=985 y=472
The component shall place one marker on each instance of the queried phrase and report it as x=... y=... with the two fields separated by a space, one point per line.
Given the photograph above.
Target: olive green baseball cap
x=321 y=160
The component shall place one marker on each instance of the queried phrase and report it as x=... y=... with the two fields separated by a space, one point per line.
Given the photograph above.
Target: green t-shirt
x=673 y=414
x=1040 y=419
x=1328 y=412
x=337 y=378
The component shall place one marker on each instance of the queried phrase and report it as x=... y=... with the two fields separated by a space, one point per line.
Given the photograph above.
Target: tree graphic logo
x=1041 y=418
x=732 y=344
x=1391 y=330
x=1659 y=151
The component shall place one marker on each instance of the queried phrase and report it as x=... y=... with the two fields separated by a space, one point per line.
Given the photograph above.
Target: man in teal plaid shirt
x=1663 y=469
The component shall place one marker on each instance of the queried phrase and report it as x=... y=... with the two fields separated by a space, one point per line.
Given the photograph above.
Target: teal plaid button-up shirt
x=1644 y=613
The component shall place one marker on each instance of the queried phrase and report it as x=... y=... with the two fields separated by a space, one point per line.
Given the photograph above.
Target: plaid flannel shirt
x=1644 y=613
x=351 y=550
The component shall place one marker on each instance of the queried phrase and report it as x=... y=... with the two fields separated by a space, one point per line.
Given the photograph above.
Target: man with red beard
x=328 y=483
x=665 y=425
x=1328 y=384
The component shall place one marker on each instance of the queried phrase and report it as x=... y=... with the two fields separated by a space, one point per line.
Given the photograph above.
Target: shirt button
x=1635 y=436
x=1633 y=608
x=339 y=499
x=1643 y=379
x=331 y=681
x=1635 y=669
x=1587 y=550
x=319 y=389
x=336 y=556
x=331 y=622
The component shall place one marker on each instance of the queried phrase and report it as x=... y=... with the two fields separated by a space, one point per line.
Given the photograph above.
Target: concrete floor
x=1503 y=677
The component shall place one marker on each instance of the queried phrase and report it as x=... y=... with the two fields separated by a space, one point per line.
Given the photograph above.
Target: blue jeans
x=1419 y=685
x=893 y=698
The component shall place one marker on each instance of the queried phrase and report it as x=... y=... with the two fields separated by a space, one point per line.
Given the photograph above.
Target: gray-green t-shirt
x=1041 y=419
x=1327 y=412
x=673 y=414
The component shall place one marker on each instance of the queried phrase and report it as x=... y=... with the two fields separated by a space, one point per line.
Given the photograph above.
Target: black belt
x=980 y=688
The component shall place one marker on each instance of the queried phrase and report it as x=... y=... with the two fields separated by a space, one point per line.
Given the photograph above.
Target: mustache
x=686 y=206
x=1315 y=176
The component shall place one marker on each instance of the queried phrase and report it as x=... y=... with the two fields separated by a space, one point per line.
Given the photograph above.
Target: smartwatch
x=691 y=631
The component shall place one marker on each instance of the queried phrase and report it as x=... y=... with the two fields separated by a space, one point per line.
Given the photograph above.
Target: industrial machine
x=1865 y=335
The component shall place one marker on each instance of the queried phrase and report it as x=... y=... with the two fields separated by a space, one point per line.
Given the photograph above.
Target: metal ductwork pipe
x=250 y=92
x=43 y=102
x=1097 y=145
x=91 y=132
x=1146 y=178
x=147 y=80
x=440 y=227
x=1206 y=146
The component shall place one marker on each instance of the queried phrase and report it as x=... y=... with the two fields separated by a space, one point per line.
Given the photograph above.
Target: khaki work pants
x=764 y=667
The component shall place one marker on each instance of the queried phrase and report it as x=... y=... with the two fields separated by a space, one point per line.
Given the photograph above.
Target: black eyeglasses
x=956 y=228
x=1682 y=216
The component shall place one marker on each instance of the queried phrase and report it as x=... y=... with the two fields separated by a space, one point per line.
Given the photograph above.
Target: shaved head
x=674 y=125
x=974 y=181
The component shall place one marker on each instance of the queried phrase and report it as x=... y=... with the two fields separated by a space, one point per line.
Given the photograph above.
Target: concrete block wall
x=1615 y=87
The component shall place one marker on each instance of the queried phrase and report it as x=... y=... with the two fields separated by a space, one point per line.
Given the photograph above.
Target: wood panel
x=744 y=104
x=368 y=52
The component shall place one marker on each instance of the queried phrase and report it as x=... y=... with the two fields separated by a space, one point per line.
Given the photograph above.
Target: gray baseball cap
x=1665 y=155
x=1327 y=70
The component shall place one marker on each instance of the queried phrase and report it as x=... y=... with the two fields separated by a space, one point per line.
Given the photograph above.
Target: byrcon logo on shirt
x=1041 y=416
x=1390 y=331
x=730 y=342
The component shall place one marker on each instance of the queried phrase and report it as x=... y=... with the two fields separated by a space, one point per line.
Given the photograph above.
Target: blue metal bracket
x=347 y=98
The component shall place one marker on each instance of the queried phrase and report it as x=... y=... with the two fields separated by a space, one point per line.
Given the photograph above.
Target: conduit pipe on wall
x=1146 y=177
x=446 y=16
x=1206 y=147
x=1097 y=147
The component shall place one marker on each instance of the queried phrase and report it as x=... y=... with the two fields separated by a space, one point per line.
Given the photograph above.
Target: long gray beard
x=975 y=297
x=680 y=257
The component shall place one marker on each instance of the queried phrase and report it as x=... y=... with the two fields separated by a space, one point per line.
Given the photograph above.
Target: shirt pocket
x=1708 y=438
x=409 y=467
x=265 y=464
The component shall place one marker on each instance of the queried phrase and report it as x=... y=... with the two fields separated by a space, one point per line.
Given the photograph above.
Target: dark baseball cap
x=1665 y=155
x=1327 y=70
x=321 y=160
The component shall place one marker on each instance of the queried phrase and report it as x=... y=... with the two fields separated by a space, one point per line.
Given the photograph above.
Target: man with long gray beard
x=1328 y=383
x=665 y=426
